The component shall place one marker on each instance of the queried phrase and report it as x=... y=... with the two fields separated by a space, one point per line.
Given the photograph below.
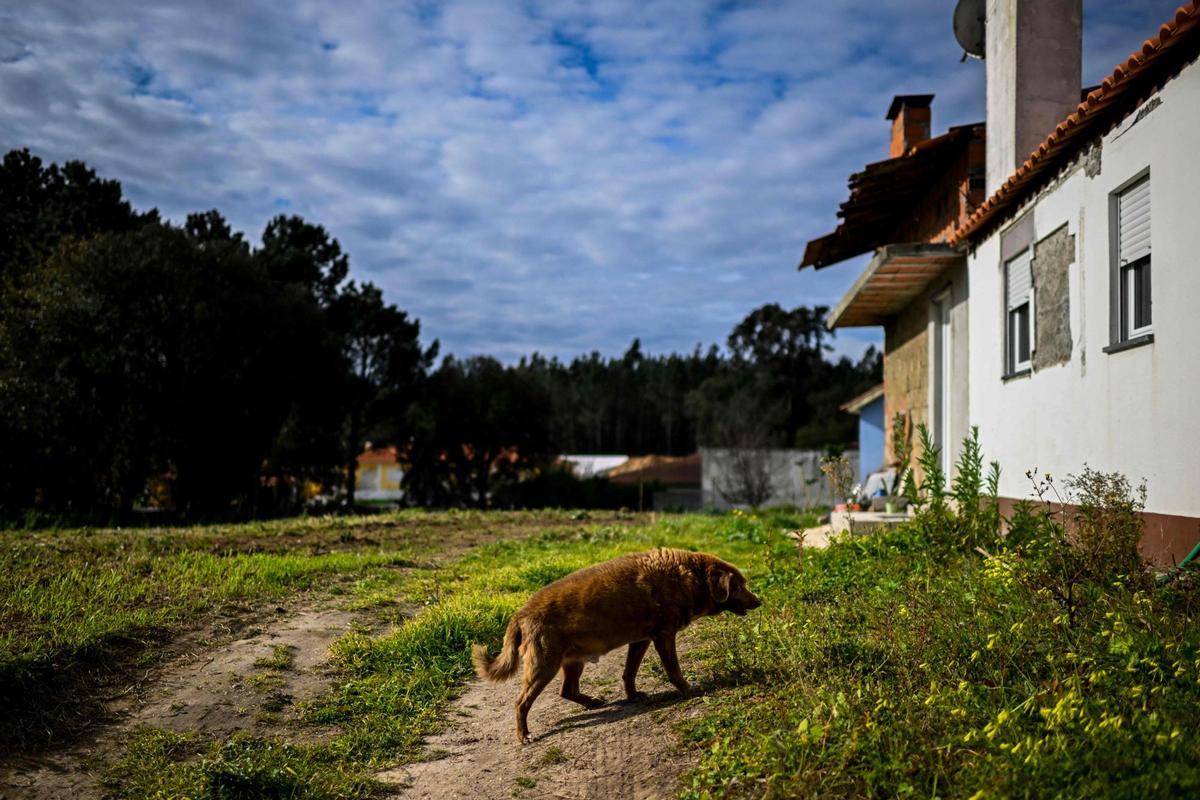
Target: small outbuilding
x=868 y=406
x=379 y=474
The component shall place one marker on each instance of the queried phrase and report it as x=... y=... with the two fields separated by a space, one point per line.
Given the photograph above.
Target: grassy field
x=78 y=607
x=395 y=685
x=896 y=664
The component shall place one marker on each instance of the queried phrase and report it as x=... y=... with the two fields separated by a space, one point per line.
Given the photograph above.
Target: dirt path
x=621 y=750
x=243 y=681
x=247 y=673
x=250 y=680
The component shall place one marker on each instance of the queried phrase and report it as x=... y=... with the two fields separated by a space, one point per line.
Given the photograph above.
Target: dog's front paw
x=636 y=697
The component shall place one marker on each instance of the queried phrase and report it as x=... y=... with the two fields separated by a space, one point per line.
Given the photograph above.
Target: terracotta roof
x=668 y=470
x=379 y=455
x=883 y=195
x=1143 y=73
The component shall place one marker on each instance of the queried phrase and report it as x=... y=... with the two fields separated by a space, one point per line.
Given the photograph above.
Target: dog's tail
x=504 y=665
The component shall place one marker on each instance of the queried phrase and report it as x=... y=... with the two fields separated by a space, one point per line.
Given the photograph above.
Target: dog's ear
x=719 y=584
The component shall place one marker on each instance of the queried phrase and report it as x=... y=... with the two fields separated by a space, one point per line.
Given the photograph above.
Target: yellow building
x=379 y=474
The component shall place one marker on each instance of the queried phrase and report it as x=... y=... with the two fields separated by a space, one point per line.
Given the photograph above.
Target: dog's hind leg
x=665 y=645
x=572 y=670
x=633 y=660
x=539 y=671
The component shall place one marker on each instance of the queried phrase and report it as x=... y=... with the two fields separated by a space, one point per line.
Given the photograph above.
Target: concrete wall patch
x=1052 y=306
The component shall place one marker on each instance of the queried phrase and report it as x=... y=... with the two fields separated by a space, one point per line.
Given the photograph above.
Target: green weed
x=554 y=755
x=282 y=658
x=161 y=764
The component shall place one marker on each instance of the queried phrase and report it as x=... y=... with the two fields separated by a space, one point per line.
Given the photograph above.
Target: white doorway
x=941 y=357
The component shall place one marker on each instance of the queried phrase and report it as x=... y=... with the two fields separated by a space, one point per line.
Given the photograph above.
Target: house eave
x=857 y=404
x=896 y=275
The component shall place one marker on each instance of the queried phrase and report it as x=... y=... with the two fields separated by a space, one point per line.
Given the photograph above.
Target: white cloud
x=560 y=176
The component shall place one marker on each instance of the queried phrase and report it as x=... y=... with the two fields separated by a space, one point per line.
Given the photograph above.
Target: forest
x=150 y=364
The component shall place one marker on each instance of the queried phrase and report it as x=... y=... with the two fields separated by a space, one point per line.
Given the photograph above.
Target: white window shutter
x=1133 y=222
x=1018 y=280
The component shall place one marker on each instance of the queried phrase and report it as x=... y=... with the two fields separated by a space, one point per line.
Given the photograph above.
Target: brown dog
x=634 y=600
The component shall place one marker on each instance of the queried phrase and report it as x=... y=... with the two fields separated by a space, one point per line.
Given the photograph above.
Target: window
x=1018 y=291
x=1133 y=260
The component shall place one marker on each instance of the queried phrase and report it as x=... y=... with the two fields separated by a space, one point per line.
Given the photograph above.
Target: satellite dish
x=969 y=27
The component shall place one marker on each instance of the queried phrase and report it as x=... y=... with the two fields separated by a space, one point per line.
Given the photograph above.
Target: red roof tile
x=1132 y=81
x=379 y=455
x=668 y=470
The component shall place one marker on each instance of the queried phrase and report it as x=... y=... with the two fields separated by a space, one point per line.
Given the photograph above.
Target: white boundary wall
x=796 y=477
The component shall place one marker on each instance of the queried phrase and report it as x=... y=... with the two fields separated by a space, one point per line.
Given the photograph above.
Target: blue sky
x=555 y=176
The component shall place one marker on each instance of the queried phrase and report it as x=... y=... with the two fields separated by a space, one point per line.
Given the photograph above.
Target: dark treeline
x=144 y=363
x=147 y=363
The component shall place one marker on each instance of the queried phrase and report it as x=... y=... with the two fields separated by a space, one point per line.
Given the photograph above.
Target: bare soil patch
x=622 y=749
x=219 y=684
x=231 y=688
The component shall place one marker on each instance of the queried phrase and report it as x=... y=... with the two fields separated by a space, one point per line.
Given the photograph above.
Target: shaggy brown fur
x=633 y=600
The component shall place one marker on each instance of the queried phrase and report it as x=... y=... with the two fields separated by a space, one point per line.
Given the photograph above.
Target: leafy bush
x=1080 y=542
x=1106 y=524
x=896 y=665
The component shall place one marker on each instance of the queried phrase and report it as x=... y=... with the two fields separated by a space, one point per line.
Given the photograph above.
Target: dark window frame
x=1137 y=317
x=1124 y=333
x=1022 y=332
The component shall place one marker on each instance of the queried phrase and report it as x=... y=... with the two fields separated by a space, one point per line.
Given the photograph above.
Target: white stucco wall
x=1137 y=411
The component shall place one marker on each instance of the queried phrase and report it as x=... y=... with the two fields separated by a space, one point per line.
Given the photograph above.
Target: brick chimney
x=1034 y=70
x=911 y=118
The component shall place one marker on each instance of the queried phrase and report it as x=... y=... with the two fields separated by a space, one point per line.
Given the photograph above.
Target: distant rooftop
x=590 y=466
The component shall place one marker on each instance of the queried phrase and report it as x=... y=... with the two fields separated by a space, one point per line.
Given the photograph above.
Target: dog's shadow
x=617 y=710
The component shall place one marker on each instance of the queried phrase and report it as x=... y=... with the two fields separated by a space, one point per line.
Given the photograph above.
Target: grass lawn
x=896 y=664
x=78 y=607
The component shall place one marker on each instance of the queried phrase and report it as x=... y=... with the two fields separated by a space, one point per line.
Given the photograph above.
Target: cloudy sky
x=559 y=176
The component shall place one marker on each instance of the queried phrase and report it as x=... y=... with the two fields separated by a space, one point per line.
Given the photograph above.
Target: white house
x=1084 y=266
